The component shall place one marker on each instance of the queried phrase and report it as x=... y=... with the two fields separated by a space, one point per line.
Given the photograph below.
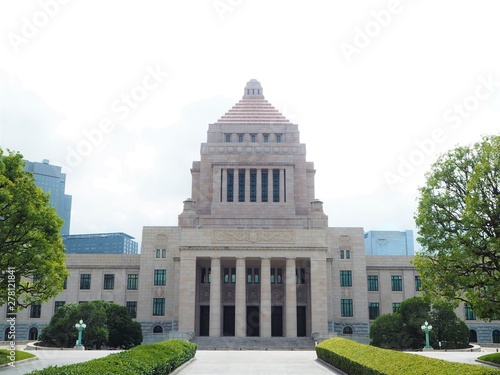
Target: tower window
x=241 y=185
x=253 y=138
x=230 y=185
x=264 y=178
x=278 y=138
x=276 y=185
x=228 y=137
x=253 y=185
x=240 y=138
x=266 y=138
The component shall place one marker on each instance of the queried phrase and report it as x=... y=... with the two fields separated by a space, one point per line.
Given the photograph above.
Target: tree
x=31 y=248
x=107 y=324
x=402 y=329
x=458 y=220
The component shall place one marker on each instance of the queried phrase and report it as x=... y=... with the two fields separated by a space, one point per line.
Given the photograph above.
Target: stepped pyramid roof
x=253 y=108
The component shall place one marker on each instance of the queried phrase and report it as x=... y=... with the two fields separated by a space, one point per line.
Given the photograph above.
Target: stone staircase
x=254 y=343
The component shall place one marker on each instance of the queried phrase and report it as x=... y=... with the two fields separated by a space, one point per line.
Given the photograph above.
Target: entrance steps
x=254 y=343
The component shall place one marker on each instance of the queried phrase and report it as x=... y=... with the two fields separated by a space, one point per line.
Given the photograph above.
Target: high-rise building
x=50 y=178
x=389 y=242
x=100 y=243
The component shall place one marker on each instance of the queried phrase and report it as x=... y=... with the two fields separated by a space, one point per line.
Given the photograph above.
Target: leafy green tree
x=31 y=248
x=458 y=220
x=107 y=324
x=414 y=312
x=448 y=329
x=385 y=331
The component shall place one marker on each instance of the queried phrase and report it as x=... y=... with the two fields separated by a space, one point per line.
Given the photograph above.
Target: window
x=132 y=308
x=228 y=137
x=58 y=305
x=253 y=185
x=109 y=281
x=276 y=275
x=348 y=254
x=346 y=307
x=278 y=138
x=36 y=278
x=157 y=329
x=229 y=275
x=206 y=275
x=253 y=275
x=36 y=310
x=163 y=253
x=372 y=283
x=342 y=254
x=85 y=281
x=397 y=283
x=158 y=306
x=495 y=335
x=230 y=185
x=160 y=277
x=240 y=138
x=33 y=334
x=253 y=138
x=264 y=187
x=157 y=253
x=241 y=185
x=345 y=278
x=132 y=281
x=65 y=285
x=347 y=330
x=300 y=275
x=469 y=314
x=418 y=283
x=373 y=310
x=266 y=138
x=276 y=185
x=395 y=306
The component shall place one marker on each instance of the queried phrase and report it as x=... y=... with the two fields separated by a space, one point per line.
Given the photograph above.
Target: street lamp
x=426 y=327
x=80 y=326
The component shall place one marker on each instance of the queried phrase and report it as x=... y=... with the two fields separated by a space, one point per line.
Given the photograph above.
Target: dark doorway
x=204 y=320
x=472 y=335
x=253 y=321
x=277 y=321
x=228 y=323
x=301 y=321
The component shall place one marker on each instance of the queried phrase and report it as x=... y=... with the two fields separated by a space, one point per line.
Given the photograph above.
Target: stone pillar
x=216 y=184
x=240 y=299
x=265 y=297
x=290 y=299
x=215 y=302
x=177 y=273
x=319 y=291
x=224 y=185
x=187 y=294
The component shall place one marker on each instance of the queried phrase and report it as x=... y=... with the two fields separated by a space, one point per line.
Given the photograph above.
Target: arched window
x=496 y=336
x=347 y=330
x=6 y=335
x=157 y=329
x=33 y=334
x=472 y=335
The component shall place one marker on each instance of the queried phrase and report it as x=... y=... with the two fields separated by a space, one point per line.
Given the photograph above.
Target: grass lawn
x=5 y=356
x=494 y=357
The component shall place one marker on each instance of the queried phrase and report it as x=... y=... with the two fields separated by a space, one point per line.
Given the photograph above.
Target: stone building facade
x=253 y=253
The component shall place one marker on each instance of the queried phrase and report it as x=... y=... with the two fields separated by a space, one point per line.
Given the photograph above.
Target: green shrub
x=354 y=358
x=20 y=355
x=151 y=359
x=493 y=357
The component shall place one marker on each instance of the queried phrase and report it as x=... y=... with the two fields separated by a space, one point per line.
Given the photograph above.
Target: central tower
x=253 y=172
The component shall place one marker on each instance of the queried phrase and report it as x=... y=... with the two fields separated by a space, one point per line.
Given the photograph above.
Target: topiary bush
x=151 y=359
x=354 y=358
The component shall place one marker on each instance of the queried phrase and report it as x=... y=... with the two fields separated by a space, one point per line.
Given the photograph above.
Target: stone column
x=319 y=312
x=215 y=304
x=216 y=184
x=187 y=294
x=177 y=273
x=265 y=297
x=240 y=299
x=282 y=185
x=290 y=299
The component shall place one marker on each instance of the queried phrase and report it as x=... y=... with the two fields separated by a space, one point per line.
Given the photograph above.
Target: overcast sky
x=121 y=93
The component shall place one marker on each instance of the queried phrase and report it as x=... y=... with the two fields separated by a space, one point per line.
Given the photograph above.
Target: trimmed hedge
x=354 y=358
x=493 y=357
x=151 y=359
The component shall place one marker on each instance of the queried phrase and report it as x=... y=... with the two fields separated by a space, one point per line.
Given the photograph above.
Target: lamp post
x=80 y=326
x=426 y=327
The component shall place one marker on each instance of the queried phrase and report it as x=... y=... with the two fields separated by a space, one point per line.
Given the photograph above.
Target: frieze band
x=253 y=236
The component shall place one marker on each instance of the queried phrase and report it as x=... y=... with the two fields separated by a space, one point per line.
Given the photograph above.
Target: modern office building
x=252 y=254
x=389 y=243
x=52 y=181
x=100 y=243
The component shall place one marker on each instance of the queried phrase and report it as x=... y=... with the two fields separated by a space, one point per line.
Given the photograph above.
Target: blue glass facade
x=100 y=243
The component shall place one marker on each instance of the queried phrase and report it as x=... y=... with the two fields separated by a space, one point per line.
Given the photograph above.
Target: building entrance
x=229 y=321
x=204 y=320
x=301 y=321
x=277 y=321
x=253 y=321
